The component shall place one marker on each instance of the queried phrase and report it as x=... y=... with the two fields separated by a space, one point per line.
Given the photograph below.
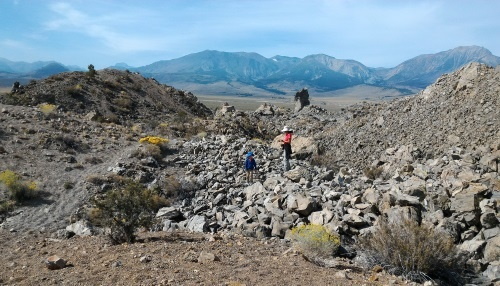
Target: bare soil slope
x=170 y=259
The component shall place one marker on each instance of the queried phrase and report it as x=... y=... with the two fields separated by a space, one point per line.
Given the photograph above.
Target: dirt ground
x=170 y=259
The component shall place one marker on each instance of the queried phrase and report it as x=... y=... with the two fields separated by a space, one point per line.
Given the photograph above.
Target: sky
x=377 y=33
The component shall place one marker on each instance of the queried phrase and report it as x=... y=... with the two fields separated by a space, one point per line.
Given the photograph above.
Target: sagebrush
x=416 y=252
x=125 y=209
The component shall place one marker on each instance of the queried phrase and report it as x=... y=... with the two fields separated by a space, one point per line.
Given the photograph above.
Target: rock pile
x=457 y=192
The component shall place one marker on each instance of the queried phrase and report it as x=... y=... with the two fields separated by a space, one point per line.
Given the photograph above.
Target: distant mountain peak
x=249 y=73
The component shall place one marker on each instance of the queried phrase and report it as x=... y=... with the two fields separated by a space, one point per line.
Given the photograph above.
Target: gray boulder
x=197 y=223
x=81 y=228
x=492 y=249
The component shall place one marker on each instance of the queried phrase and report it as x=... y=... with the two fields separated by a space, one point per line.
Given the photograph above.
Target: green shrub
x=314 y=240
x=125 y=209
x=414 y=251
x=18 y=190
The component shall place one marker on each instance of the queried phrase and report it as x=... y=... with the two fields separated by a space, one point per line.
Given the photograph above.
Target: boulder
x=279 y=228
x=492 y=249
x=298 y=173
x=468 y=199
x=407 y=212
x=197 y=223
x=305 y=205
x=474 y=247
x=489 y=220
x=254 y=190
x=371 y=196
x=492 y=272
x=450 y=227
x=354 y=220
x=302 y=146
x=55 y=262
x=491 y=232
x=320 y=217
x=206 y=257
x=170 y=213
x=81 y=228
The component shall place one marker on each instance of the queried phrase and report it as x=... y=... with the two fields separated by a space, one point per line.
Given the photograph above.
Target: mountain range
x=250 y=74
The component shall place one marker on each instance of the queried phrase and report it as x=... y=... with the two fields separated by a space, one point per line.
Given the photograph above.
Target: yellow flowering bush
x=314 y=240
x=9 y=178
x=18 y=190
x=155 y=140
x=47 y=108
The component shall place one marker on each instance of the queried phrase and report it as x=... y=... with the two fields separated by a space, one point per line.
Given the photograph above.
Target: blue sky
x=377 y=33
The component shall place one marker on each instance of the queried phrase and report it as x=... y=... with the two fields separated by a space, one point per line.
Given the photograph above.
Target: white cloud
x=374 y=32
x=102 y=28
x=13 y=44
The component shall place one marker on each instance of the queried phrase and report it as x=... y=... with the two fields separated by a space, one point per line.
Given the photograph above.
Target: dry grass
x=373 y=172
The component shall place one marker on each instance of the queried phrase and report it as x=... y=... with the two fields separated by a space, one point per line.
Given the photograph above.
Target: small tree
x=91 y=72
x=126 y=209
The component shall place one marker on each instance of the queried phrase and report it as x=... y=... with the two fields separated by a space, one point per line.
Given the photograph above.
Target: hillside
x=431 y=158
x=459 y=109
x=114 y=95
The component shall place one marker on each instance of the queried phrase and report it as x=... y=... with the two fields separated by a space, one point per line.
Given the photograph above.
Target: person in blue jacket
x=250 y=166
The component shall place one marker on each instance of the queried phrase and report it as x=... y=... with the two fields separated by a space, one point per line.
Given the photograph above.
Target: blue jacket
x=250 y=164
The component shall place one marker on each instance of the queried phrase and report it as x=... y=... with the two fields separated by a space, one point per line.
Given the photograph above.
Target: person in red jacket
x=287 y=147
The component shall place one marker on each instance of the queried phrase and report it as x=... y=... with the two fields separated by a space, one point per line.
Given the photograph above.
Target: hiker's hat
x=287 y=129
x=250 y=154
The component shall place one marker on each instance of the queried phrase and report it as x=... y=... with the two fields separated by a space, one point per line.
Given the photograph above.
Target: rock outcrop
x=301 y=99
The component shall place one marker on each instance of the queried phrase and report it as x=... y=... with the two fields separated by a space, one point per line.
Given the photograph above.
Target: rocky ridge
x=116 y=96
